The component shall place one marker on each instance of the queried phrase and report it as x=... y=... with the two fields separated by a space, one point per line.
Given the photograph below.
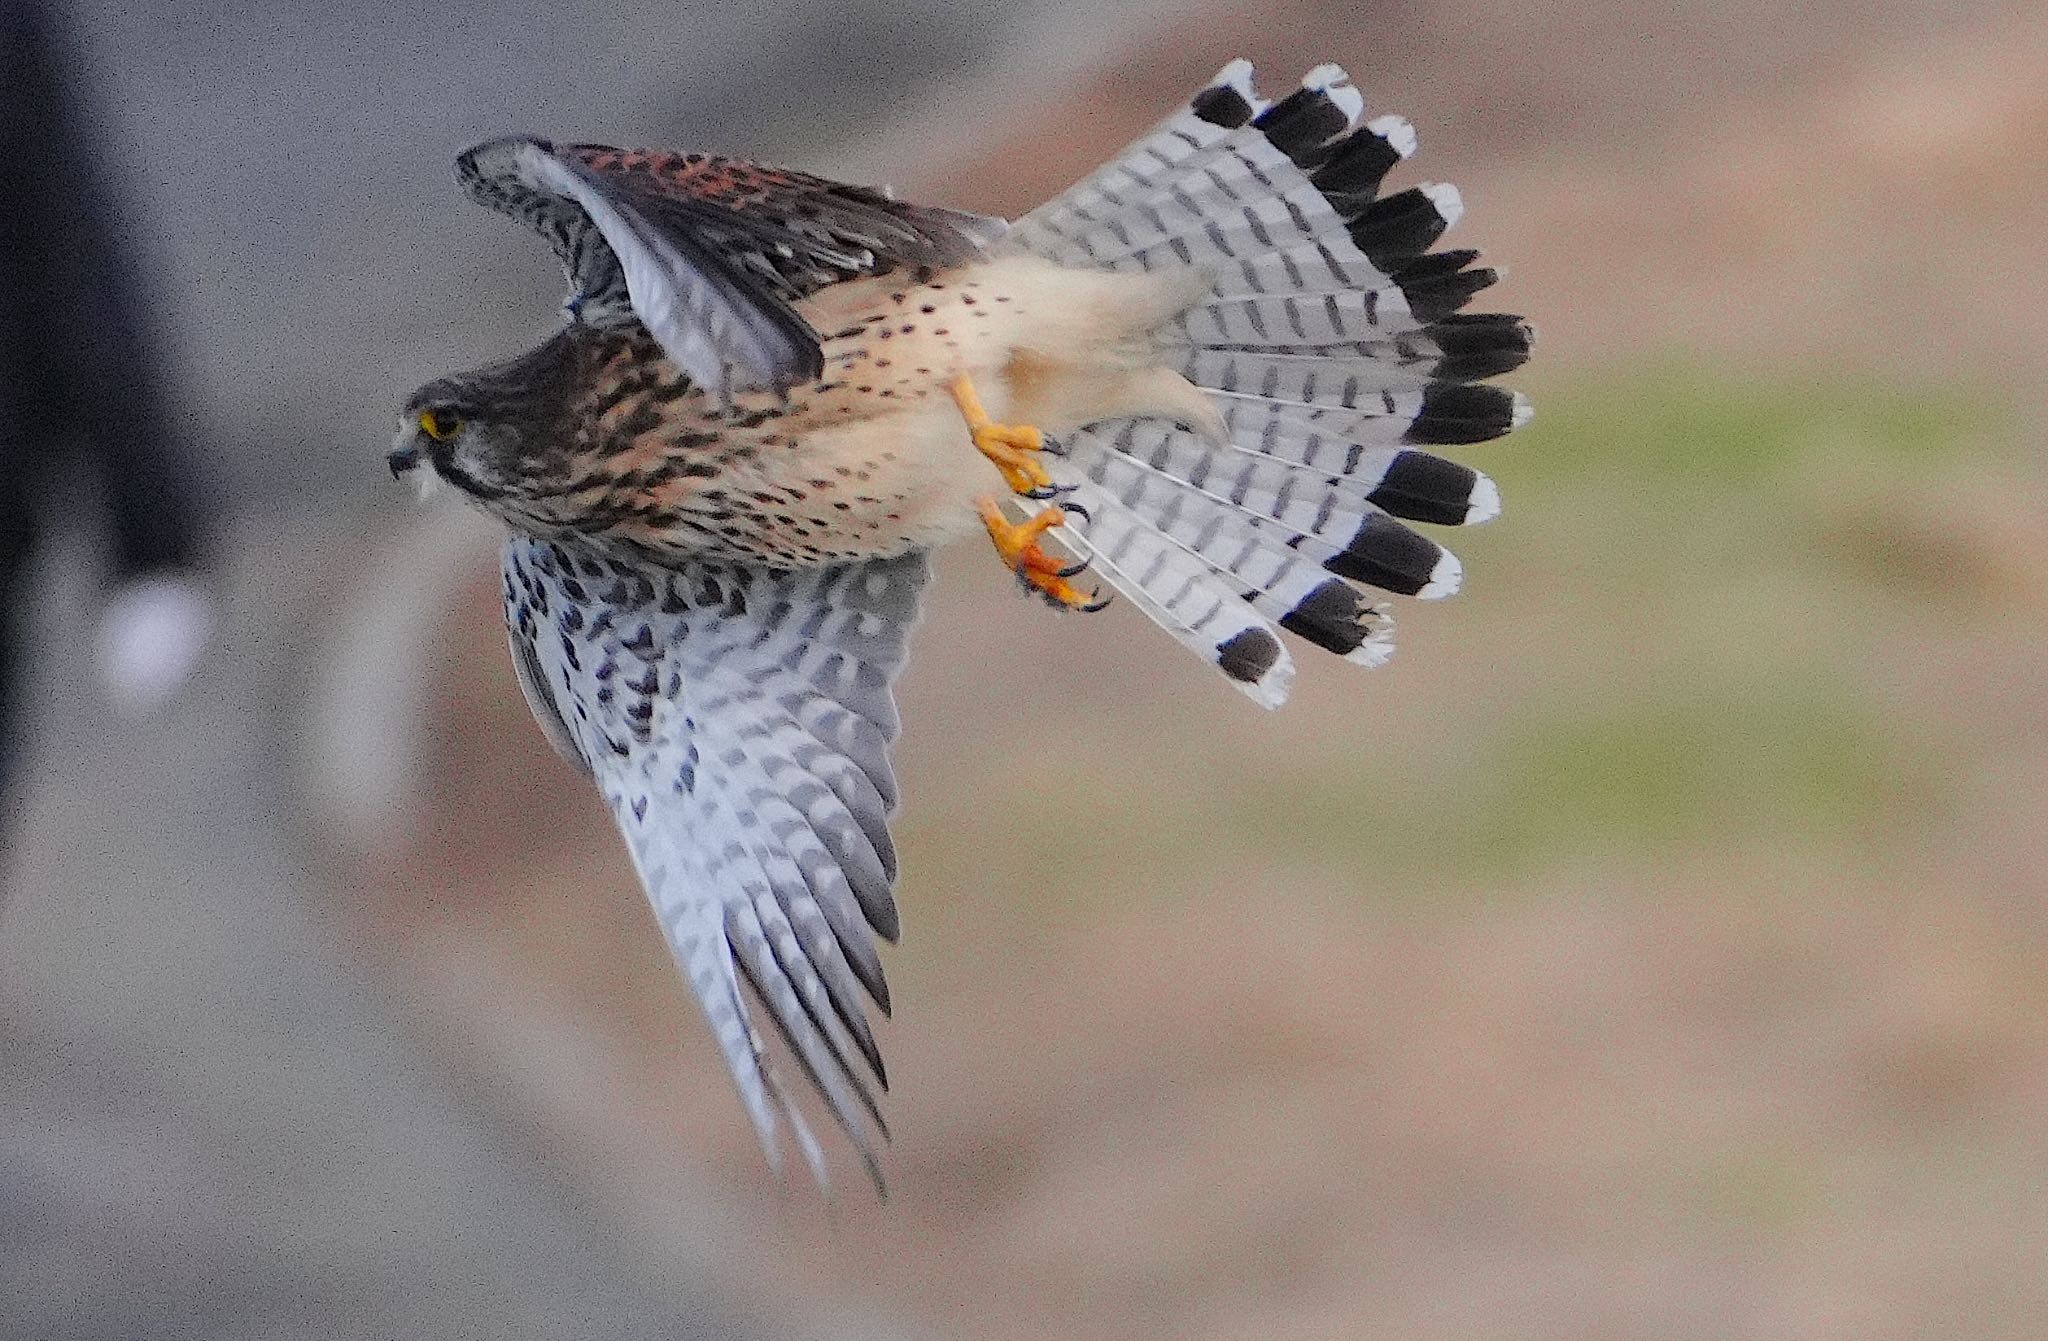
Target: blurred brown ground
x=1178 y=1053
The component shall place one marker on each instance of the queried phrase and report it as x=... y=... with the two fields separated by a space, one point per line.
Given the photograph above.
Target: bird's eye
x=440 y=425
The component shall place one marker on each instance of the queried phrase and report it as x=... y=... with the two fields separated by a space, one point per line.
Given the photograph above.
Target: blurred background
x=1653 y=949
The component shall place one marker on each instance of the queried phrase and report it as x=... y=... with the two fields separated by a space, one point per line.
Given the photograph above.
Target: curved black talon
x=1043 y=493
x=1074 y=570
x=1099 y=603
x=1076 y=508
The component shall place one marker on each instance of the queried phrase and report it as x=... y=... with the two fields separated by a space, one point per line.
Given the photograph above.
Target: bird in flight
x=1208 y=374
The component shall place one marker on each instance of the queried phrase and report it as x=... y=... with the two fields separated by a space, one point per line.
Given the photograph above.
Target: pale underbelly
x=868 y=489
x=877 y=458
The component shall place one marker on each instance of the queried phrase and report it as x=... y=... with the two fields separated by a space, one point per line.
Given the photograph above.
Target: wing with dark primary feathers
x=739 y=723
x=711 y=253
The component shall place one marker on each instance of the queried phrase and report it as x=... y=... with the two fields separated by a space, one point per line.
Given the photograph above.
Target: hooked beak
x=403 y=459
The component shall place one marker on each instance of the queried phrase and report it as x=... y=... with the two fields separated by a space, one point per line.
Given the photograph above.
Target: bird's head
x=496 y=434
x=458 y=435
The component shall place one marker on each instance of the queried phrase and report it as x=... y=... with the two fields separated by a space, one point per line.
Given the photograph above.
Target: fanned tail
x=1334 y=346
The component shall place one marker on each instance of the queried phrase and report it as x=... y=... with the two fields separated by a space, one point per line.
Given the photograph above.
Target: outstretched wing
x=738 y=721
x=711 y=253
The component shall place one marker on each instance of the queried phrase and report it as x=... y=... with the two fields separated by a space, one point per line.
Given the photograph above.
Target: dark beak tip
x=401 y=460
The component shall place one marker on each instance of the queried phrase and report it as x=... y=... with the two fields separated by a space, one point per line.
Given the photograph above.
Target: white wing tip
x=1449 y=201
x=1397 y=132
x=1524 y=410
x=1444 y=579
x=1484 y=504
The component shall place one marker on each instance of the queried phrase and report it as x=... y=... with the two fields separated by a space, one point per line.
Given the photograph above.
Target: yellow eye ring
x=440 y=425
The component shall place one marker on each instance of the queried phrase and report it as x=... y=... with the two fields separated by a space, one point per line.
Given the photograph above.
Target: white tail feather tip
x=1444 y=579
x=1334 y=84
x=1374 y=652
x=1237 y=77
x=1484 y=504
x=1447 y=199
x=1271 y=689
x=1397 y=132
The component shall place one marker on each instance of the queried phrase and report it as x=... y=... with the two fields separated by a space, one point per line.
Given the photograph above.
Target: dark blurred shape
x=212 y=1125
x=79 y=390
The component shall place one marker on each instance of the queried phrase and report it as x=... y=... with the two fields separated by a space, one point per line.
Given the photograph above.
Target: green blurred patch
x=1671 y=480
x=1709 y=688
x=1766 y=1191
x=1704 y=768
x=1679 y=613
x=1700 y=766
x=1686 y=429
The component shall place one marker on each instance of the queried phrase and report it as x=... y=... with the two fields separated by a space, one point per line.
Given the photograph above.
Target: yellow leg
x=1013 y=447
x=1017 y=543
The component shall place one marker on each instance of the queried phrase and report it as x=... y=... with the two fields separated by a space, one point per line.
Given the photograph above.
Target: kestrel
x=1207 y=372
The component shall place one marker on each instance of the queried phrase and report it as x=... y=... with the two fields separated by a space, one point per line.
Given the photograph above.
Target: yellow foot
x=1039 y=571
x=1013 y=447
